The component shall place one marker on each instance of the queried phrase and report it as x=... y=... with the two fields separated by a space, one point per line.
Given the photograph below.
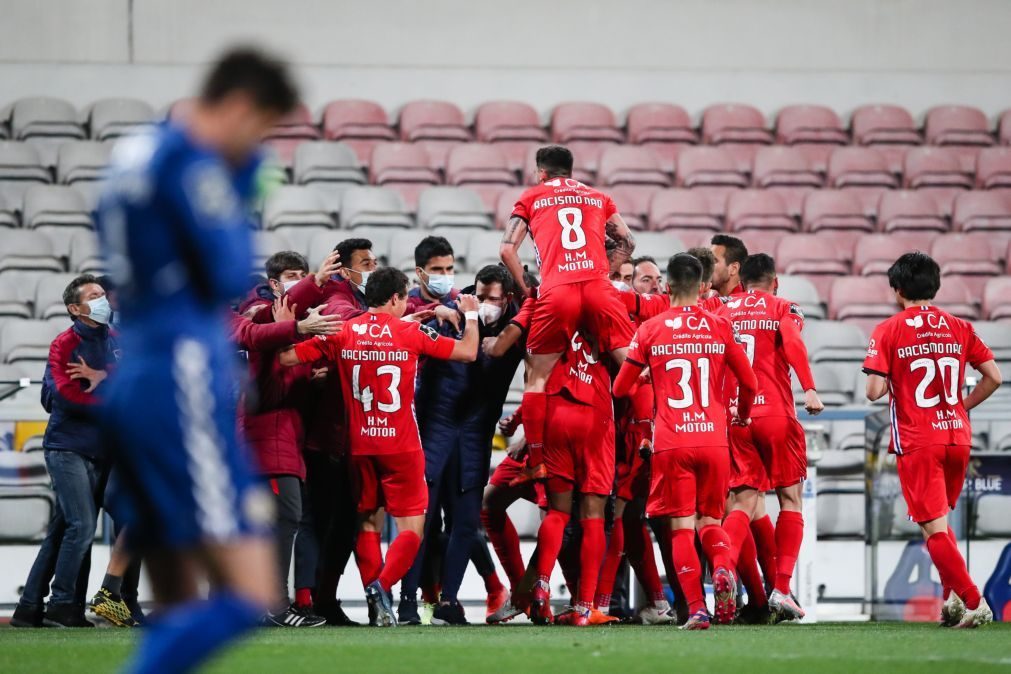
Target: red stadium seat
x=971 y=256
x=758 y=209
x=507 y=199
x=681 y=210
x=938 y=171
x=437 y=125
x=405 y=168
x=762 y=240
x=1004 y=128
x=955 y=297
x=902 y=210
x=860 y=297
x=740 y=128
x=584 y=121
x=711 y=171
x=889 y=128
x=633 y=203
x=875 y=253
x=997 y=299
x=814 y=129
x=360 y=124
x=508 y=120
x=834 y=209
x=786 y=171
x=993 y=169
x=863 y=171
x=481 y=167
x=962 y=128
x=291 y=131
x=631 y=164
x=986 y=211
x=664 y=127
x=813 y=256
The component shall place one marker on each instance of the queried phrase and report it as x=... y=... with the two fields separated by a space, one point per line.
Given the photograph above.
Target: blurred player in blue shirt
x=174 y=230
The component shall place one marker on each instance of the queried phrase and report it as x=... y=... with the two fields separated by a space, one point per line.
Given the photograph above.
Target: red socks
x=549 y=541
x=639 y=548
x=689 y=569
x=765 y=543
x=369 y=555
x=609 y=569
x=789 y=534
x=738 y=527
x=492 y=584
x=716 y=545
x=951 y=567
x=399 y=558
x=535 y=413
x=506 y=542
x=591 y=555
x=751 y=576
x=303 y=597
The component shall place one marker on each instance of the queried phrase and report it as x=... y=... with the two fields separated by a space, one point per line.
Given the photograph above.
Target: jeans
x=65 y=554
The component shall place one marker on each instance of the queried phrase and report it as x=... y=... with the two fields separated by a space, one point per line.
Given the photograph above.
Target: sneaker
x=659 y=613
x=600 y=618
x=449 y=613
x=27 y=616
x=380 y=606
x=297 y=616
x=981 y=615
x=580 y=617
x=540 y=604
x=335 y=615
x=112 y=608
x=65 y=615
x=495 y=601
x=952 y=611
x=785 y=605
x=504 y=613
x=407 y=611
x=697 y=621
x=752 y=614
x=725 y=594
x=564 y=617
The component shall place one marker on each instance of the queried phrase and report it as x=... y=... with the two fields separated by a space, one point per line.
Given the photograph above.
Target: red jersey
x=581 y=376
x=523 y=317
x=377 y=355
x=567 y=220
x=688 y=352
x=769 y=329
x=923 y=351
x=644 y=307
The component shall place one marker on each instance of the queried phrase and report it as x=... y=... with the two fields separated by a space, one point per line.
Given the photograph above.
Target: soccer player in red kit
x=570 y=224
x=688 y=352
x=377 y=355
x=772 y=451
x=919 y=356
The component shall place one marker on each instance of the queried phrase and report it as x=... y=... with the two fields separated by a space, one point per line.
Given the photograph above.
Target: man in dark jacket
x=79 y=359
x=458 y=406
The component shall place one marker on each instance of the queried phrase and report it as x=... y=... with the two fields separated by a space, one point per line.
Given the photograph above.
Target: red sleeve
x=609 y=208
x=630 y=298
x=978 y=352
x=627 y=379
x=878 y=352
x=427 y=342
x=796 y=352
x=305 y=295
x=747 y=383
x=522 y=318
x=636 y=353
x=269 y=337
x=60 y=355
x=321 y=348
x=522 y=207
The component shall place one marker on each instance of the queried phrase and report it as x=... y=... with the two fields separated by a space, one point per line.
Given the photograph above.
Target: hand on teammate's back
x=421 y=316
x=812 y=403
x=282 y=312
x=316 y=324
x=330 y=266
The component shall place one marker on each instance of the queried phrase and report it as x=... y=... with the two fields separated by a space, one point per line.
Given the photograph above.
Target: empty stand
x=712 y=172
x=993 y=169
x=835 y=210
x=739 y=128
x=484 y=168
x=889 y=128
x=875 y=253
x=327 y=164
x=45 y=123
x=358 y=123
x=20 y=168
x=115 y=117
x=373 y=207
x=296 y=206
x=664 y=127
x=25 y=343
x=971 y=256
x=862 y=170
x=437 y=125
x=296 y=128
x=405 y=168
x=938 y=171
x=812 y=256
x=997 y=300
x=786 y=171
x=452 y=207
x=514 y=127
x=813 y=129
x=577 y=121
x=682 y=209
x=903 y=210
x=758 y=209
x=29 y=251
x=982 y=211
x=962 y=128
x=801 y=291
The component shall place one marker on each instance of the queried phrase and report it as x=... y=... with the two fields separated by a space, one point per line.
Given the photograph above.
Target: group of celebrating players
x=674 y=397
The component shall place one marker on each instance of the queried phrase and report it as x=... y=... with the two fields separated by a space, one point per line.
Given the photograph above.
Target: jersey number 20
x=948 y=368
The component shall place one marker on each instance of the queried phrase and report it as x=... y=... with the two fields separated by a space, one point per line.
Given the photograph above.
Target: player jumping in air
x=919 y=356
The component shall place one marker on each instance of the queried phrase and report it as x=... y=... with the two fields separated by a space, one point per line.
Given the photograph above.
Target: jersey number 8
x=573 y=236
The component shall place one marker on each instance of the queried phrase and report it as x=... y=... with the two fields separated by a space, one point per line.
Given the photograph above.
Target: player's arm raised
x=515 y=232
x=796 y=356
x=618 y=231
x=465 y=349
x=990 y=382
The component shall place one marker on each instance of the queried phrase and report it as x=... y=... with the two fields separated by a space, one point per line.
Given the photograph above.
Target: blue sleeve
x=215 y=237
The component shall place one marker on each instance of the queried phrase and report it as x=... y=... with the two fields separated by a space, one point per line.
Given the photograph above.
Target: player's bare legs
x=789 y=535
x=963 y=607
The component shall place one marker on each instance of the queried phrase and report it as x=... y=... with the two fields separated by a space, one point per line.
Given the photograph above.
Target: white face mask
x=489 y=313
x=101 y=311
x=620 y=285
x=439 y=285
x=365 y=280
x=288 y=285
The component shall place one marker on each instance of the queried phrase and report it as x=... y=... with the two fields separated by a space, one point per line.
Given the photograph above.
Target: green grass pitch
x=520 y=649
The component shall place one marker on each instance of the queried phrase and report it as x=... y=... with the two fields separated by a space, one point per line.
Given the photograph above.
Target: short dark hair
x=708 y=260
x=916 y=275
x=431 y=246
x=72 y=293
x=736 y=251
x=347 y=247
x=639 y=260
x=496 y=273
x=108 y=285
x=278 y=263
x=758 y=268
x=264 y=78
x=555 y=160
x=684 y=274
x=383 y=284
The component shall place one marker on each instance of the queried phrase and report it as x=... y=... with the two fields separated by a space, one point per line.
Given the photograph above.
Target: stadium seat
x=862 y=170
x=663 y=127
x=437 y=125
x=801 y=291
x=875 y=253
x=48 y=301
x=834 y=341
x=982 y=211
x=114 y=117
x=373 y=207
x=739 y=128
x=484 y=168
x=890 y=129
x=1004 y=128
x=762 y=240
x=28 y=251
x=452 y=207
x=938 y=171
x=45 y=123
x=835 y=210
x=630 y=165
x=757 y=209
x=682 y=209
x=993 y=169
x=359 y=124
x=633 y=201
x=578 y=121
x=658 y=245
x=831 y=389
x=962 y=128
x=991 y=519
x=505 y=203
x=11 y=304
x=20 y=167
x=498 y=121
x=84 y=160
x=955 y=297
x=401 y=250
x=860 y=297
x=902 y=210
x=812 y=256
x=841 y=513
x=296 y=128
x=55 y=206
x=8 y=213
x=997 y=299
x=787 y=172
x=482 y=250
x=25 y=343
x=266 y=244
x=296 y=206
x=713 y=172
x=1000 y=436
x=85 y=255
x=815 y=130
x=970 y=256
x=405 y=168
x=997 y=337
x=327 y=164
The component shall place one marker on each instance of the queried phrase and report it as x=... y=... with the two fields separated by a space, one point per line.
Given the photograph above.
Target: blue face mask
x=101 y=311
x=439 y=284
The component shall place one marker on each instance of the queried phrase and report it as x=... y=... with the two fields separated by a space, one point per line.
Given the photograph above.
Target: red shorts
x=782 y=444
x=591 y=306
x=687 y=481
x=579 y=446
x=932 y=479
x=392 y=481
x=509 y=469
x=746 y=467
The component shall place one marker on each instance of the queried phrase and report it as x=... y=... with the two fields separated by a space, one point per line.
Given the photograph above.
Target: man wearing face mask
x=436 y=268
x=458 y=406
x=79 y=361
